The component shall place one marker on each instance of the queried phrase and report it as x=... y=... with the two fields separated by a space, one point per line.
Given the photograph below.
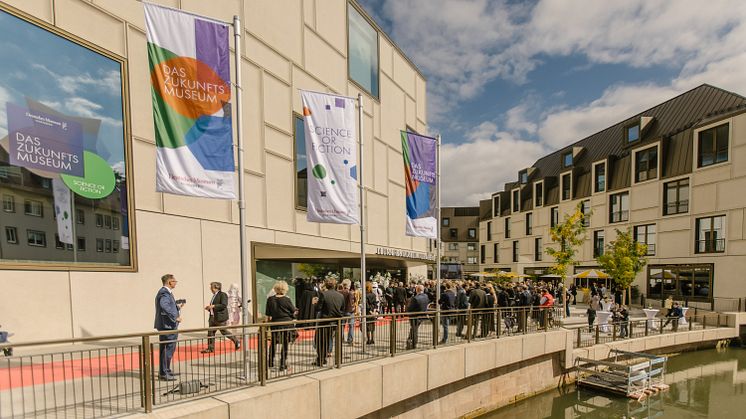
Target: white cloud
x=109 y=82
x=473 y=170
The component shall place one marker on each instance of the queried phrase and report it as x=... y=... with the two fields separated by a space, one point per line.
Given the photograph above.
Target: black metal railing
x=710 y=246
x=113 y=375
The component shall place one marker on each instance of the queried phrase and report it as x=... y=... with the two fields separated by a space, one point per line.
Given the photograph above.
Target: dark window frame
x=539 y=194
x=445 y=222
x=714 y=243
x=482 y=256
x=507 y=227
x=495 y=253
x=516 y=250
x=523 y=177
x=14 y=230
x=586 y=212
x=645 y=229
x=489 y=230
x=296 y=190
x=679 y=206
x=471 y=233
x=515 y=200
x=628 y=129
x=646 y=164
x=41 y=234
x=621 y=215
x=567 y=175
x=538 y=246
x=553 y=217
x=453 y=233
x=599 y=237
x=599 y=186
x=529 y=223
x=565 y=156
x=716 y=148
x=28 y=206
x=377 y=95
x=676 y=281
x=496 y=206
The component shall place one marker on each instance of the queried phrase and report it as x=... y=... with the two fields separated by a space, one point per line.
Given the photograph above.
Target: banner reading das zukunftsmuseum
x=331 y=149
x=420 y=178
x=190 y=80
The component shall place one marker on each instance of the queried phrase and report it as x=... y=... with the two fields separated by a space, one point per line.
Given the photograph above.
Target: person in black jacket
x=329 y=305
x=280 y=309
x=218 y=309
x=370 y=310
x=462 y=303
x=478 y=300
x=447 y=303
x=400 y=298
x=417 y=304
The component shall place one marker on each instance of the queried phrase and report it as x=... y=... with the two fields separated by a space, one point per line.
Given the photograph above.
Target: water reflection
x=704 y=384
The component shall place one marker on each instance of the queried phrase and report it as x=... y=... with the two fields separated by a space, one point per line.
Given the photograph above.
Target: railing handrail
x=153 y=333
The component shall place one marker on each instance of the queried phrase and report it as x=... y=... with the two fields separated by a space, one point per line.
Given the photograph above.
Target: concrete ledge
x=555 y=341
x=508 y=351
x=534 y=345
x=208 y=408
x=445 y=366
x=403 y=376
x=340 y=391
x=479 y=357
x=255 y=402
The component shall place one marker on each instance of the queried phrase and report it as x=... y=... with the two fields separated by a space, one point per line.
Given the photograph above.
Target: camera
x=181 y=301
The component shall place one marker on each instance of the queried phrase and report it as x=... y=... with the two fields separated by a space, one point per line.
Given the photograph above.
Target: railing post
x=147 y=384
x=338 y=344
x=580 y=332
x=499 y=321
x=261 y=348
x=524 y=321
x=436 y=328
x=704 y=321
x=647 y=327
x=613 y=331
x=690 y=323
x=598 y=337
x=660 y=326
x=468 y=325
x=630 y=326
x=392 y=335
x=545 y=319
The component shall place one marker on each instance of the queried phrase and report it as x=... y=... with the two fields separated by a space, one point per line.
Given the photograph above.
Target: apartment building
x=86 y=61
x=459 y=234
x=673 y=174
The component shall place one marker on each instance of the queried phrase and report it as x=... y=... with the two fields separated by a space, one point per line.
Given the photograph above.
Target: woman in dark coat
x=280 y=309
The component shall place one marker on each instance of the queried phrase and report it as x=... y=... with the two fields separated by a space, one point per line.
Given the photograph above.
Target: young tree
x=623 y=259
x=568 y=234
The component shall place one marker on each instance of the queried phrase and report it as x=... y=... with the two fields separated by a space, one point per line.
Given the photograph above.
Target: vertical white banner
x=331 y=148
x=63 y=211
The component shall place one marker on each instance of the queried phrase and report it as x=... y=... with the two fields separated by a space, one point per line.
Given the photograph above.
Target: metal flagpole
x=437 y=240
x=363 y=326
x=241 y=197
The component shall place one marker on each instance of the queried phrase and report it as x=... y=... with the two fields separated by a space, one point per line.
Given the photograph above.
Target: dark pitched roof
x=671 y=118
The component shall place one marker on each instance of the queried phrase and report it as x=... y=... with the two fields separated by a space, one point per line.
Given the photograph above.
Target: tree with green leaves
x=568 y=235
x=623 y=259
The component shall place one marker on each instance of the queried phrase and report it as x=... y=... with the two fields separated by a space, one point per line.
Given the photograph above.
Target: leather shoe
x=206 y=351
x=238 y=345
x=167 y=378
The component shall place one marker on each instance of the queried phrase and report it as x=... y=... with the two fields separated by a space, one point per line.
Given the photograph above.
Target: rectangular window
x=538 y=194
x=567 y=159
x=599 y=176
x=710 y=235
x=362 y=52
x=646 y=164
x=471 y=246
x=598 y=243
x=300 y=162
x=452 y=246
x=554 y=216
x=108 y=246
x=81 y=244
x=538 y=249
x=482 y=256
x=507 y=227
x=633 y=133
x=676 y=197
x=585 y=208
x=446 y=222
x=471 y=233
x=495 y=253
x=34 y=208
x=690 y=282
x=36 y=238
x=471 y=260
x=99 y=245
x=57 y=243
x=9 y=203
x=496 y=206
x=523 y=177
x=11 y=235
x=566 y=186
x=713 y=146
x=516 y=200
x=107 y=221
x=645 y=234
x=79 y=216
x=529 y=224
x=619 y=207
x=453 y=233
x=489 y=230
x=115 y=222
x=99 y=220
x=515 y=251
x=115 y=246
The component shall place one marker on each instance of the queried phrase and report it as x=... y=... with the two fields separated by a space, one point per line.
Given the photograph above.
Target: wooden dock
x=631 y=374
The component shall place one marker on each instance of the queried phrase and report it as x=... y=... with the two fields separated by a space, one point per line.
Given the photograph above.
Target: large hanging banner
x=420 y=178
x=331 y=148
x=190 y=79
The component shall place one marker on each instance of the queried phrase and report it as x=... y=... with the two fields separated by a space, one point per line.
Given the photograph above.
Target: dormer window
x=632 y=133
x=523 y=177
x=567 y=159
x=516 y=203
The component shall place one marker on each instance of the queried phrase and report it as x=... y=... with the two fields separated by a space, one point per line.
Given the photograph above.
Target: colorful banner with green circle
x=98 y=181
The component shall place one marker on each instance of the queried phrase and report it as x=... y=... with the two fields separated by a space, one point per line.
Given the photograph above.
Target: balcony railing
x=618 y=216
x=710 y=246
x=677 y=207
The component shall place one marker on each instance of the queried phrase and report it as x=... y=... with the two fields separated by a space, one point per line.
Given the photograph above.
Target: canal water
x=704 y=384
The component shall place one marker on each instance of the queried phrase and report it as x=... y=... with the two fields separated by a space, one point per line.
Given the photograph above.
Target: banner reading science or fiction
x=420 y=178
x=190 y=78
x=331 y=146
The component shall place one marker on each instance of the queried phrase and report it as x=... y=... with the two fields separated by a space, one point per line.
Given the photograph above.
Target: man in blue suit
x=167 y=318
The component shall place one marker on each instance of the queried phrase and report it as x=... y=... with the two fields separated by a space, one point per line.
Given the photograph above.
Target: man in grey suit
x=218 y=309
x=167 y=318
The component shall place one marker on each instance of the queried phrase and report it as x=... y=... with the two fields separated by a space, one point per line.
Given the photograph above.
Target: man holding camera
x=218 y=309
x=167 y=318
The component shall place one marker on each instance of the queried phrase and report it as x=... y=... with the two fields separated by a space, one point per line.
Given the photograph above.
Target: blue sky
x=64 y=76
x=510 y=81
